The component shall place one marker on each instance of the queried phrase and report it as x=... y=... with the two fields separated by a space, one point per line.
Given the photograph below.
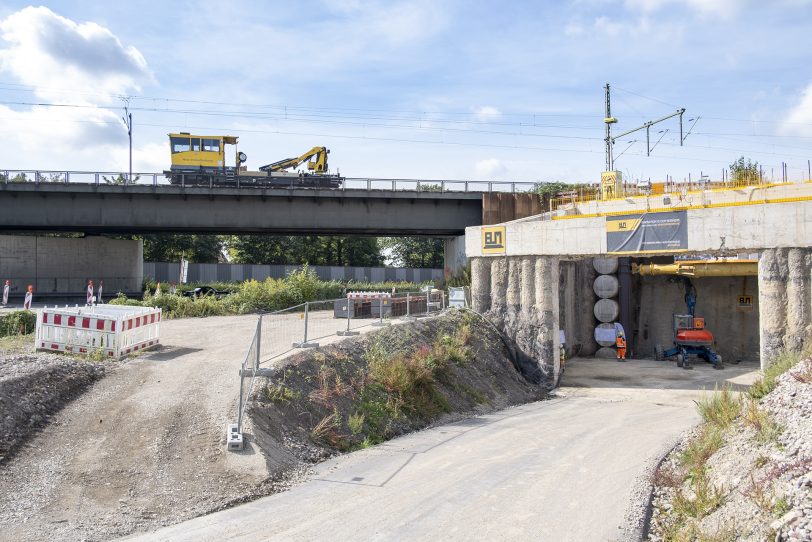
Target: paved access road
x=557 y=470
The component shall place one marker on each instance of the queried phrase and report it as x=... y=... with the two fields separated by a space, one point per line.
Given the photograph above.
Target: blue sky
x=474 y=90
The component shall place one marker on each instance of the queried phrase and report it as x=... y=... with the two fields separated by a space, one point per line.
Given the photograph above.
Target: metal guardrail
x=280 y=332
x=13 y=176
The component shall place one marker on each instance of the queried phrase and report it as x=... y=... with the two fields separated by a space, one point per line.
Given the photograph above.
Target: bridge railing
x=12 y=176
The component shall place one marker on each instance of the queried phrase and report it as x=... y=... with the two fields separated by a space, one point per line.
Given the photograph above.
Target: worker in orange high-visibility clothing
x=620 y=342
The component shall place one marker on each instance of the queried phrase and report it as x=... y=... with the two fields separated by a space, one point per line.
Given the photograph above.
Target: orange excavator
x=691 y=339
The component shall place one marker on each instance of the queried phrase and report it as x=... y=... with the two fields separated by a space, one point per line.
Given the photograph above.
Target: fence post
x=380 y=322
x=259 y=342
x=347 y=332
x=304 y=343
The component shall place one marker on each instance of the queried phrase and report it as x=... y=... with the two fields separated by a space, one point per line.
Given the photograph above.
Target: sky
x=480 y=90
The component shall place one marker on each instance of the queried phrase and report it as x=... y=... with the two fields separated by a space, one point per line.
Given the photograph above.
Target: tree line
x=288 y=249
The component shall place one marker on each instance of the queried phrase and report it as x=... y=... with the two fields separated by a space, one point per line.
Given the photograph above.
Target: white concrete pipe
x=606 y=353
x=605 y=286
x=605 y=334
x=606 y=310
x=605 y=266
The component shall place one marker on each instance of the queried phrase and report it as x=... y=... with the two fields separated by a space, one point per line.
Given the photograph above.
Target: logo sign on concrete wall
x=647 y=233
x=745 y=301
x=493 y=239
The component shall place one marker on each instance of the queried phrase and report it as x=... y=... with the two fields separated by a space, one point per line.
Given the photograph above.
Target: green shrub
x=17 y=323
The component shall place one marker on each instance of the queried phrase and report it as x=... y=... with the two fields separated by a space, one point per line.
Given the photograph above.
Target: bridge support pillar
x=454 y=255
x=785 y=301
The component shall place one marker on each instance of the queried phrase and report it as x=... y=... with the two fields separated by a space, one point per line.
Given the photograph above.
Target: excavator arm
x=318 y=165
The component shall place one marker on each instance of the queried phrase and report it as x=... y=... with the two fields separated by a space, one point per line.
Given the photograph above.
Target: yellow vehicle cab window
x=196 y=144
x=180 y=144
x=211 y=145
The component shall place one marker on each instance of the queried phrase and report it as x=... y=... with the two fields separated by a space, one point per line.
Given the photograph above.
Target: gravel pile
x=763 y=482
x=33 y=387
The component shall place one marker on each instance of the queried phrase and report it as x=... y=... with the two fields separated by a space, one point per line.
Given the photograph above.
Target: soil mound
x=373 y=388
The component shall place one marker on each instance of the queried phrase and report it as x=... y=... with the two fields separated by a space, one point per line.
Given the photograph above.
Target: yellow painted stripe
x=686 y=208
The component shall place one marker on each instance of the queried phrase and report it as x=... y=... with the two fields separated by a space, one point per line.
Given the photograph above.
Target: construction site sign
x=493 y=240
x=647 y=233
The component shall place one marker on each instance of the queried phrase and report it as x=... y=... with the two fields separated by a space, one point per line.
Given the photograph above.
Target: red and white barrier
x=29 y=298
x=114 y=330
x=368 y=296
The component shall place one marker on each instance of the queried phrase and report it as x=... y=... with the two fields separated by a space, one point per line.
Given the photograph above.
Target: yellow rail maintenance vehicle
x=199 y=160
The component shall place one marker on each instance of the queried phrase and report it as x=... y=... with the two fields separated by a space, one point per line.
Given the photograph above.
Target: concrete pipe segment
x=605 y=266
x=605 y=334
x=606 y=353
x=606 y=310
x=605 y=286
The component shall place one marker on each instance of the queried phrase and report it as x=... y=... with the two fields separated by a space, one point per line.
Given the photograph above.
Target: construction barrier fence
x=116 y=331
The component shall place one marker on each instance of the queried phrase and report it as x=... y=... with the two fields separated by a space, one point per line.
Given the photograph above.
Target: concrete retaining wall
x=63 y=265
x=521 y=297
x=735 y=328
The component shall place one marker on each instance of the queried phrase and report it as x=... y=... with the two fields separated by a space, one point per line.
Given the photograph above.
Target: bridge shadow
x=656 y=375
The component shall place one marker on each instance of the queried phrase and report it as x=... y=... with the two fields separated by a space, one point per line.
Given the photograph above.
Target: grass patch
x=767 y=429
x=702 y=499
x=281 y=394
x=17 y=343
x=696 y=454
x=782 y=363
x=720 y=408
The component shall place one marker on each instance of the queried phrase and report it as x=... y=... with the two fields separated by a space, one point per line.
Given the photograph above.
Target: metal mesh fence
x=248 y=371
x=280 y=330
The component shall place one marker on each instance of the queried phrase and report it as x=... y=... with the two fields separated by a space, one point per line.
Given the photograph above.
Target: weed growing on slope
x=720 y=408
x=767 y=429
x=782 y=363
x=696 y=454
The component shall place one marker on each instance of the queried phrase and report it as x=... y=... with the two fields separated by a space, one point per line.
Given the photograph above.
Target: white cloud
x=486 y=113
x=720 y=8
x=51 y=52
x=489 y=168
x=799 y=119
x=573 y=29
x=68 y=64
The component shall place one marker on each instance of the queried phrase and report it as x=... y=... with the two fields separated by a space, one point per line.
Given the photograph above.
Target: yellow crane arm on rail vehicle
x=318 y=165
